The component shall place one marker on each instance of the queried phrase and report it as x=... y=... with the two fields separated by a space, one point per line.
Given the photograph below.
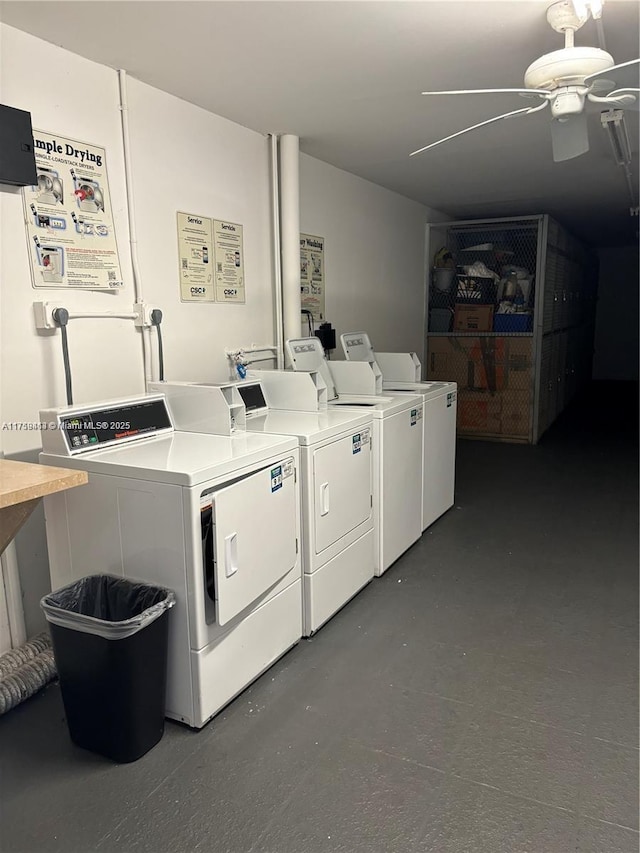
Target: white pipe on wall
x=277 y=260
x=10 y=579
x=290 y=233
x=133 y=237
x=13 y=595
x=100 y=315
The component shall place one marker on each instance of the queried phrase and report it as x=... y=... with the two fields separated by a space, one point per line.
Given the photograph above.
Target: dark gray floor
x=482 y=697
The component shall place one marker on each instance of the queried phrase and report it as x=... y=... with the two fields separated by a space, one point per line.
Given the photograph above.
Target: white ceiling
x=346 y=78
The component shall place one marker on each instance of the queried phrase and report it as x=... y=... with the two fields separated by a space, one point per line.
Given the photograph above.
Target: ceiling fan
x=566 y=80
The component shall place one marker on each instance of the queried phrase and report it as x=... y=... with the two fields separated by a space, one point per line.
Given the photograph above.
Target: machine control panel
x=253 y=397
x=94 y=428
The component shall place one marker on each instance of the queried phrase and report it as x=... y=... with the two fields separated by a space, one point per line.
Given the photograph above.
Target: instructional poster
x=229 y=256
x=312 y=274
x=195 y=256
x=69 y=223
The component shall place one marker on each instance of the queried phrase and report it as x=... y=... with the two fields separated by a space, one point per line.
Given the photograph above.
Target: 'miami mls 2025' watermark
x=29 y=426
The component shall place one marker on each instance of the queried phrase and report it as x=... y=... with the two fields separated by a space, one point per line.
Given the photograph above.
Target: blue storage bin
x=512 y=322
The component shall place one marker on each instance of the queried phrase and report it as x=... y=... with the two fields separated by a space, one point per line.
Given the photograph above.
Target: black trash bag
x=110 y=640
x=107 y=605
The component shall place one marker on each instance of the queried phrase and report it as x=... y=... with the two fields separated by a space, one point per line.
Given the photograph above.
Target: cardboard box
x=519 y=354
x=448 y=361
x=481 y=363
x=473 y=318
x=487 y=356
x=479 y=412
x=516 y=413
x=506 y=413
x=502 y=363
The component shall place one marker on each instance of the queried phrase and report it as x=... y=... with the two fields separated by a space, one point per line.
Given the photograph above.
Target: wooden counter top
x=24 y=481
x=22 y=484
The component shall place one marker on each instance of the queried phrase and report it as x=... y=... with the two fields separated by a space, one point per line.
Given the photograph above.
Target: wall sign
x=69 y=223
x=195 y=256
x=211 y=259
x=229 y=255
x=312 y=275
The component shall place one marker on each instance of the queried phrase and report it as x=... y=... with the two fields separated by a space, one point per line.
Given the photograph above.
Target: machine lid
x=311 y=427
x=357 y=347
x=183 y=458
x=307 y=354
x=427 y=389
x=379 y=407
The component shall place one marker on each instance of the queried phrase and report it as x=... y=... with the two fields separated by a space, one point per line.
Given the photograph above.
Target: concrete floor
x=482 y=697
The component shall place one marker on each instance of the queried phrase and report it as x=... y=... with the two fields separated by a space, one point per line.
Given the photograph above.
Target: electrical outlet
x=43 y=313
x=143 y=315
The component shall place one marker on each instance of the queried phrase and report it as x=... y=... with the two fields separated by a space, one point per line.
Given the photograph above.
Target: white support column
x=290 y=233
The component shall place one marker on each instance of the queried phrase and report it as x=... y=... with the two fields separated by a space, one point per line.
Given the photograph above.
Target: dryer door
x=342 y=487
x=255 y=537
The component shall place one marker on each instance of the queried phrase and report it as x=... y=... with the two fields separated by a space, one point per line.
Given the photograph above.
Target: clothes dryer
x=401 y=375
x=336 y=471
x=397 y=446
x=214 y=518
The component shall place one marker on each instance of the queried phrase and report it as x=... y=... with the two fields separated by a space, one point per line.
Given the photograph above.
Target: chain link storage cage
x=494 y=328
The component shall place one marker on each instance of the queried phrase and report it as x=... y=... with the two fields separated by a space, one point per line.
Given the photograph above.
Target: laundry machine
x=397 y=445
x=401 y=374
x=336 y=471
x=215 y=518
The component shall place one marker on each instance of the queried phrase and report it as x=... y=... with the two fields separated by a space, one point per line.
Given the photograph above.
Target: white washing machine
x=401 y=375
x=214 y=518
x=336 y=478
x=397 y=445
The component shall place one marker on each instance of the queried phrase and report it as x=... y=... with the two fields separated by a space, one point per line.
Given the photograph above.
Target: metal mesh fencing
x=515 y=370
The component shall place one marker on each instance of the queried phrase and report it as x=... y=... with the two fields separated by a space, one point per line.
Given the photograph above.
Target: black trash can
x=110 y=642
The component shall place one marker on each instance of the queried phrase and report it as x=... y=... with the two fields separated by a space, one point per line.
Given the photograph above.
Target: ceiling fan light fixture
x=566 y=67
x=568 y=101
x=613 y=122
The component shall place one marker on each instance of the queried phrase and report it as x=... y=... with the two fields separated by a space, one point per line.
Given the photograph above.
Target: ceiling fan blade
x=489 y=92
x=626 y=72
x=526 y=110
x=569 y=138
x=626 y=104
x=602 y=86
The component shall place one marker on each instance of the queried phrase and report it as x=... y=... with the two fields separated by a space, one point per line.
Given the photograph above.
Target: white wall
x=616 y=338
x=106 y=355
x=187 y=159
x=374 y=255
x=183 y=159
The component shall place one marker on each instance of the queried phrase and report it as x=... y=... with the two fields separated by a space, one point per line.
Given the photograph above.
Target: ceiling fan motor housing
x=568 y=101
x=566 y=67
